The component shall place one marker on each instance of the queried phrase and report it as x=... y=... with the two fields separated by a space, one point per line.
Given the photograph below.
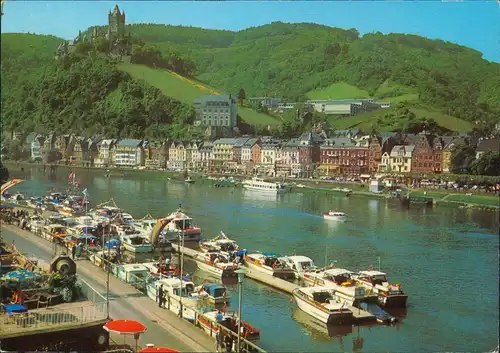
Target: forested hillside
x=81 y=94
x=290 y=60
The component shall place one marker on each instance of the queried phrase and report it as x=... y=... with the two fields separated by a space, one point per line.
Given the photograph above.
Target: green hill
x=298 y=60
x=186 y=90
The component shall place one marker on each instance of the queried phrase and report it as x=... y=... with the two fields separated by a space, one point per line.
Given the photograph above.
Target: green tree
x=241 y=96
x=4 y=174
x=462 y=158
x=487 y=164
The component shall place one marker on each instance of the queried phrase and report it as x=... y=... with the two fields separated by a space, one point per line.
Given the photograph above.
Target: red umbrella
x=124 y=327
x=158 y=350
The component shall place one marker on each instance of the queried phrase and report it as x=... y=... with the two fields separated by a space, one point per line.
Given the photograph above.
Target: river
x=445 y=258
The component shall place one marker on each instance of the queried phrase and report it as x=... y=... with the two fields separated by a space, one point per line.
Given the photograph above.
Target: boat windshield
x=185 y=291
x=306 y=265
x=228 y=247
x=322 y=297
x=379 y=279
x=137 y=240
x=183 y=224
x=339 y=279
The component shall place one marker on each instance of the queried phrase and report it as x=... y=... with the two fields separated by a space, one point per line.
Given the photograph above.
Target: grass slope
x=365 y=121
x=340 y=90
x=186 y=90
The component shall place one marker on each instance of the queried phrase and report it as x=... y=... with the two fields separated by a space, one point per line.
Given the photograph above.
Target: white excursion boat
x=131 y=273
x=214 y=292
x=136 y=243
x=260 y=184
x=388 y=295
x=209 y=323
x=181 y=224
x=269 y=264
x=334 y=216
x=299 y=264
x=340 y=280
x=173 y=293
x=220 y=243
x=320 y=303
x=216 y=263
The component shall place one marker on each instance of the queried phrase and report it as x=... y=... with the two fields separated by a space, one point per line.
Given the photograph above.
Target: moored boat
x=182 y=225
x=131 y=273
x=299 y=264
x=189 y=180
x=214 y=292
x=209 y=323
x=335 y=216
x=136 y=243
x=216 y=263
x=388 y=295
x=220 y=243
x=269 y=264
x=319 y=302
x=259 y=184
x=341 y=281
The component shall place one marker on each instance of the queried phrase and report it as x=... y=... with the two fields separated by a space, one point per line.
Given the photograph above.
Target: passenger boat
x=181 y=224
x=335 y=216
x=319 y=302
x=299 y=264
x=388 y=295
x=208 y=322
x=131 y=273
x=214 y=292
x=220 y=243
x=136 y=243
x=173 y=294
x=216 y=263
x=269 y=264
x=341 y=281
x=260 y=184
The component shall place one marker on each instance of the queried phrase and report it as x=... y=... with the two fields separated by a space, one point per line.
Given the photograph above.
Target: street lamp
x=241 y=275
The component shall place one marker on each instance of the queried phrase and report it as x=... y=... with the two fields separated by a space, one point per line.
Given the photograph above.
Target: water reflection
x=268 y=197
x=320 y=331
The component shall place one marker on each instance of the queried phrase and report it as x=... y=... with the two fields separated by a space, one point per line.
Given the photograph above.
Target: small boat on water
x=174 y=290
x=259 y=184
x=388 y=295
x=220 y=243
x=320 y=303
x=136 y=243
x=299 y=264
x=214 y=292
x=131 y=273
x=209 y=323
x=339 y=279
x=269 y=264
x=335 y=216
x=182 y=225
x=216 y=263
x=189 y=180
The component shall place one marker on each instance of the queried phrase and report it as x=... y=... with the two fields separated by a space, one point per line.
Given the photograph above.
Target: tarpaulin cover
x=124 y=327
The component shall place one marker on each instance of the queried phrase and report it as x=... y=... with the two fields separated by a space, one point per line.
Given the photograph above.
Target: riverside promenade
x=164 y=328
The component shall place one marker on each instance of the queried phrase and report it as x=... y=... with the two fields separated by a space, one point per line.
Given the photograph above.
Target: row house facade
x=309 y=153
x=155 y=155
x=343 y=156
x=427 y=155
x=129 y=153
x=448 y=150
x=288 y=159
x=105 y=153
x=222 y=155
x=205 y=155
x=399 y=160
x=177 y=156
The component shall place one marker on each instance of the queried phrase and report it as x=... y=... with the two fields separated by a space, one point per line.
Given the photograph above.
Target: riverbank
x=461 y=199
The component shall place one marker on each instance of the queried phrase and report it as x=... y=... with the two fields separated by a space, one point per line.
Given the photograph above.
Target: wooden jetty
x=285 y=286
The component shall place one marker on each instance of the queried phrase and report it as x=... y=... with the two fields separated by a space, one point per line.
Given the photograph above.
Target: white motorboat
x=269 y=264
x=189 y=180
x=136 y=243
x=131 y=273
x=388 y=295
x=209 y=323
x=214 y=292
x=260 y=184
x=181 y=225
x=86 y=221
x=299 y=264
x=335 y=216
x=174 y=296
x=320 y=303
x=216 y=263
x=220 y=243
x=52 y=231
x=36 y=224
x=340 y=280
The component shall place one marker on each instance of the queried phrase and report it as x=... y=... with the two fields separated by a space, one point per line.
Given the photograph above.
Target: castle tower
x=116 y=22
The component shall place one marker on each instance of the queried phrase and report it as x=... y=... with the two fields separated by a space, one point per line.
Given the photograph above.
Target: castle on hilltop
x=119 y=42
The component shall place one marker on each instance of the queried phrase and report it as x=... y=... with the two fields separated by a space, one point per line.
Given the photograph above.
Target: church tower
x=116 y=22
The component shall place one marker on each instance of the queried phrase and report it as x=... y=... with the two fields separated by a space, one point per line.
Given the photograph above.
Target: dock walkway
x=285 y=286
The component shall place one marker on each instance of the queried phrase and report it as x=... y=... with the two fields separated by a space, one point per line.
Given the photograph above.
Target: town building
x=177 y=156
x=400 y=158
x=238 y=148
x=341 y=156
x=344 y=106
x=154 y=156
x=309 y=153
x=448 y=150
x=423 y=159
x=266 y=102
x=105 y=153
x=218 y=111
x=129 y=153
x=205 y=155
x=35 y=143
x=287 y=159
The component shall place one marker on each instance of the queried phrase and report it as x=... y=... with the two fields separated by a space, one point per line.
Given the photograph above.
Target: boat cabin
x=299 y=263
x=214 y=290
x=373 y=277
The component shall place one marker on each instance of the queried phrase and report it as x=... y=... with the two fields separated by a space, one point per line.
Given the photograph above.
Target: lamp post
x=241 y=275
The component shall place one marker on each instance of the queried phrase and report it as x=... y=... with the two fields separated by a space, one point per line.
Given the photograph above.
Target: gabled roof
x=310 y=136
x=129 y=143
x=488 y=145
x=225 y=140
x=240 y=141
x=339 y=142
x=250 y=142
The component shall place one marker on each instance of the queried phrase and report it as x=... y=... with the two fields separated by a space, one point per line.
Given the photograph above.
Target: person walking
x=160 y=296
x=73 y=251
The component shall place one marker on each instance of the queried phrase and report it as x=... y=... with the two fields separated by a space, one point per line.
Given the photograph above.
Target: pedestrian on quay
x=229 y=343
x=73 y=251
x=160 y=295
